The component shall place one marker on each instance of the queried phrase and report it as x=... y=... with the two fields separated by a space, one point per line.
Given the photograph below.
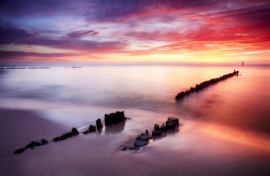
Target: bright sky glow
x=121 y=31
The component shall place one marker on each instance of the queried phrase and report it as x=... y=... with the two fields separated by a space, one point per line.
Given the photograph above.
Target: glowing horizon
x=157 y=31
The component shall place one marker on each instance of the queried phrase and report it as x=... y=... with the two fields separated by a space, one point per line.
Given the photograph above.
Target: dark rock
x=192 y=89
x=131 y=148
x=198 y=87
x=170 y=124
x=140 y=143
x=123 y=149
x=69 y=134
x=118 y=117
x=92 y=128
x=156 y=127
x=32 y=145
x=107 y=119
x=113 y=118
x=156 y=132
x=180 y=95
x=174 y=120
x=122 y=113
x=145 y=137
x=74 y=131
x=63 y=137
x=44 y=141
x=99 y=124
x=163 y=127
x=56 y=139
x=19 y=151
x=85 y=132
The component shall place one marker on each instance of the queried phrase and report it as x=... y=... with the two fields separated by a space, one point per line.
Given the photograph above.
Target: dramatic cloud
x=80 y=34
x=6 y=55
x=125 y=29
x=13 y=35
x=18 y=36
x=76 y=44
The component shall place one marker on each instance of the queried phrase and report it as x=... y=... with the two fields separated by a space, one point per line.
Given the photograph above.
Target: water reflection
x=240 y=100
x=114 y=129
x=167 y=133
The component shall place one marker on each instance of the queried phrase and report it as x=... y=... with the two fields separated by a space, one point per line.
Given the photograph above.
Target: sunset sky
x=134 y=31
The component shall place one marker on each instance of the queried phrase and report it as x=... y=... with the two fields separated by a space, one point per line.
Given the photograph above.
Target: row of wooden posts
x=110 y=119
x=204 y=84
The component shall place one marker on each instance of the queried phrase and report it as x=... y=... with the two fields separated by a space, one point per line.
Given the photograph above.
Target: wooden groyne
x=25 y=67
x=111 y=119
x=205 y=84
x=170 y=126
x=143 y=139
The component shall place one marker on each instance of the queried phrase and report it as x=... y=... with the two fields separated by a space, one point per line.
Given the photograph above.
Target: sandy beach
x=197 y=149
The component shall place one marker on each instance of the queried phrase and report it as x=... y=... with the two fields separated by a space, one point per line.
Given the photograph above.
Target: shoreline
x=203 y=146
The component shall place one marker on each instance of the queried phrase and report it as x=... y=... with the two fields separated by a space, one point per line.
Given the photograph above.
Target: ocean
x=224 y=128
x=243 y=101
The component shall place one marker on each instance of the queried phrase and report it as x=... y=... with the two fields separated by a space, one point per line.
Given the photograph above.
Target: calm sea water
x=243 y=101
x=224 y=130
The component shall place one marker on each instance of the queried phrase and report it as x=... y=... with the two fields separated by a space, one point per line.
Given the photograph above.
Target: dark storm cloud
x=112 y=10
x=80 y=34
x=119 y=10
x=75 y=44
x=13 y=35
x=6 y=55
x=17 y=8
x=18 y=36
x=216 y=21
x=97 y=10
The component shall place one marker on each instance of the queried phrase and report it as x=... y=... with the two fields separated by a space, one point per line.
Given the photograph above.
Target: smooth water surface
x=241 y=101
x=225 y=128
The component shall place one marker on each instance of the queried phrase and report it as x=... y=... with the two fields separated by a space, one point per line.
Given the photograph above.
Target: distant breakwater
x=25 y=67
x=205 y=84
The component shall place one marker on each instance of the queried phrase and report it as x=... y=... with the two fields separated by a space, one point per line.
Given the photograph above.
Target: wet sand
x=199 y=148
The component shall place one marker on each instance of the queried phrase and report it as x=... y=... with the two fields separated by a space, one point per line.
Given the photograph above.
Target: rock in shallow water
x=156 y=132
x=99 y=124
x=170 y=124
x=145 y=136
x=156 y=127
x=163 y=127
x=19 y=151
x=44 y=141
x=140 y=143
x=74 y=131
x=175 y=120
x=92 y=128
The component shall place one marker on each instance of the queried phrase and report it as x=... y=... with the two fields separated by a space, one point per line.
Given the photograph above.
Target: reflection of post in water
x=114 y=129
x=167 y=133
x=115 y=122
